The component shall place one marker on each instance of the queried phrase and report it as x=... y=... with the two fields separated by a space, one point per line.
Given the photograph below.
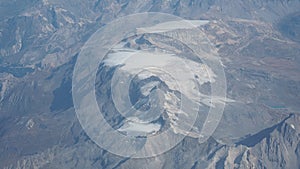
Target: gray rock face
x=257 y=40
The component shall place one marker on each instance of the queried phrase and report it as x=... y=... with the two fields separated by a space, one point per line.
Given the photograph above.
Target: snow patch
x=134 y=128
x=172 y=25
x=146 y=89
x=30 y=123
x=292 y=126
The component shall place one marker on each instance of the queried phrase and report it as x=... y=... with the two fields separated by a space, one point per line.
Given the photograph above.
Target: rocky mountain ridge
x=257 y=40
